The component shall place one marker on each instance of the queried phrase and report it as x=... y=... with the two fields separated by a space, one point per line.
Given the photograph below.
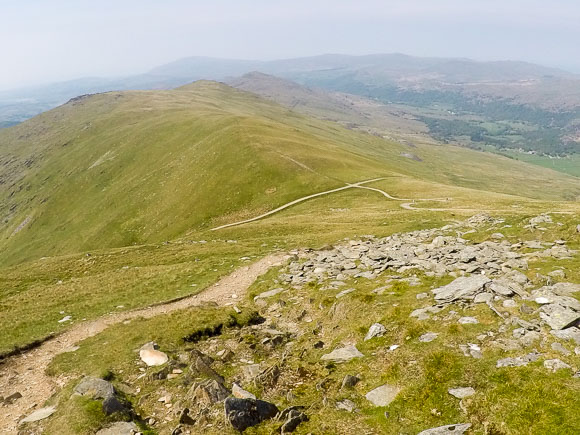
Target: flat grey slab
x=39 y=414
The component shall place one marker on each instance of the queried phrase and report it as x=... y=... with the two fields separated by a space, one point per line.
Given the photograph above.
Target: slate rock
x=483 y=298
x=462 y=288
x=376 y=330
x=343 y=354
x=559 y=316
x=269 y=293
x=39 y=414
x=12 y=398
x=556 y=364
x=572 y=334
x=350 y=381
x=450 y=429
x=468 y=321
x=292 y=418
x=240 y=393
x=120 y=428
x=112 y=405
x=462 y=392
x=94 y=388
x=293 y=422
x=561 y=349
x=383 y=395
x=208 y=392
x=201 y=364
x=518 y=361
x=185 y=418
x=251 y=371
x=526 y=309
x=346 y=405
x=245 y=413
x=428 y=337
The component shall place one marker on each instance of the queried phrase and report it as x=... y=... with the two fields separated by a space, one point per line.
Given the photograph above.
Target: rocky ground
x=348 y=338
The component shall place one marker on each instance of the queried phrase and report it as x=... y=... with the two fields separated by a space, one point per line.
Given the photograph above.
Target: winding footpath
x=296 y=201
x=358 y=185
x=26 y=373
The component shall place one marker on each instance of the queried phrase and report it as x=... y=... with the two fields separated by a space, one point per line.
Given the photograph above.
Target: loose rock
x=383 y=395
x=376 y=330
x=245 y=413
x=343 y=354
x=462 y=392
x=451 y=429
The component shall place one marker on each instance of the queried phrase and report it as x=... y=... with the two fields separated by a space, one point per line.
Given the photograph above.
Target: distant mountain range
x=505 y=104
x=413 y=72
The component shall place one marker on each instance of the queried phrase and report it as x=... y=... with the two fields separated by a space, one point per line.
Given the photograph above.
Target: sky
x=44 y=41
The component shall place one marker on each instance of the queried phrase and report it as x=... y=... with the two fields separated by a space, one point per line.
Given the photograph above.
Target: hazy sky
x=48 y=40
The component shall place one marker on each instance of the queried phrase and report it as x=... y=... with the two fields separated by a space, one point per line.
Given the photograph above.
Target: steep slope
x=135 y=167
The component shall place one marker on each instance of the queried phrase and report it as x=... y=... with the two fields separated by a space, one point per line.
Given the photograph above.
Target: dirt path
x=359 y=185
x=296 y=201
x=25 y=373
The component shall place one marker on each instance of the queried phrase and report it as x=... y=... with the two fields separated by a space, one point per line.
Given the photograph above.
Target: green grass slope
x=136 y=167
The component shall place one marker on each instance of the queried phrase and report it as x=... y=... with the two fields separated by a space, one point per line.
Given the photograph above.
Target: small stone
x=450 y=429
x=293 y=416
x=350 y=381
x=111 y=405
x=556 y=364
x=383 y=395
x=344 y=293
x=483 y=298
x=39 y=414
x=185 y=418
x=346 y=405
x=119 y=428
x=558 y=273
x=94 y=388
x=245 y=413
x=468 y=321
x=526 y=309
x=422 y=295
x=462 y=392
x=509 y=303
x=342 y=354
x=269 y=293
x=240 y=393
x=12 y=398
x=251 y=371
x=152 y=357
x=561 y=349
x=518 y=361
x=376 y=330
x=428 y=337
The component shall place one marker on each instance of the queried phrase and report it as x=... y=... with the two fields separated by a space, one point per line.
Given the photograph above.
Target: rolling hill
x=135 y=167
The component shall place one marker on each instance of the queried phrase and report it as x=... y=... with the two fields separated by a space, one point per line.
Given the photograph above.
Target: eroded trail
x=26 y=373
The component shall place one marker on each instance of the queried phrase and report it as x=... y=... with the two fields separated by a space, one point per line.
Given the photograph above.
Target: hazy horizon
x=67 y=40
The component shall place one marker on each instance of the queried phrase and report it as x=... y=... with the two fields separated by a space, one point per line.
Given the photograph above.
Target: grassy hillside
x=128 y=168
